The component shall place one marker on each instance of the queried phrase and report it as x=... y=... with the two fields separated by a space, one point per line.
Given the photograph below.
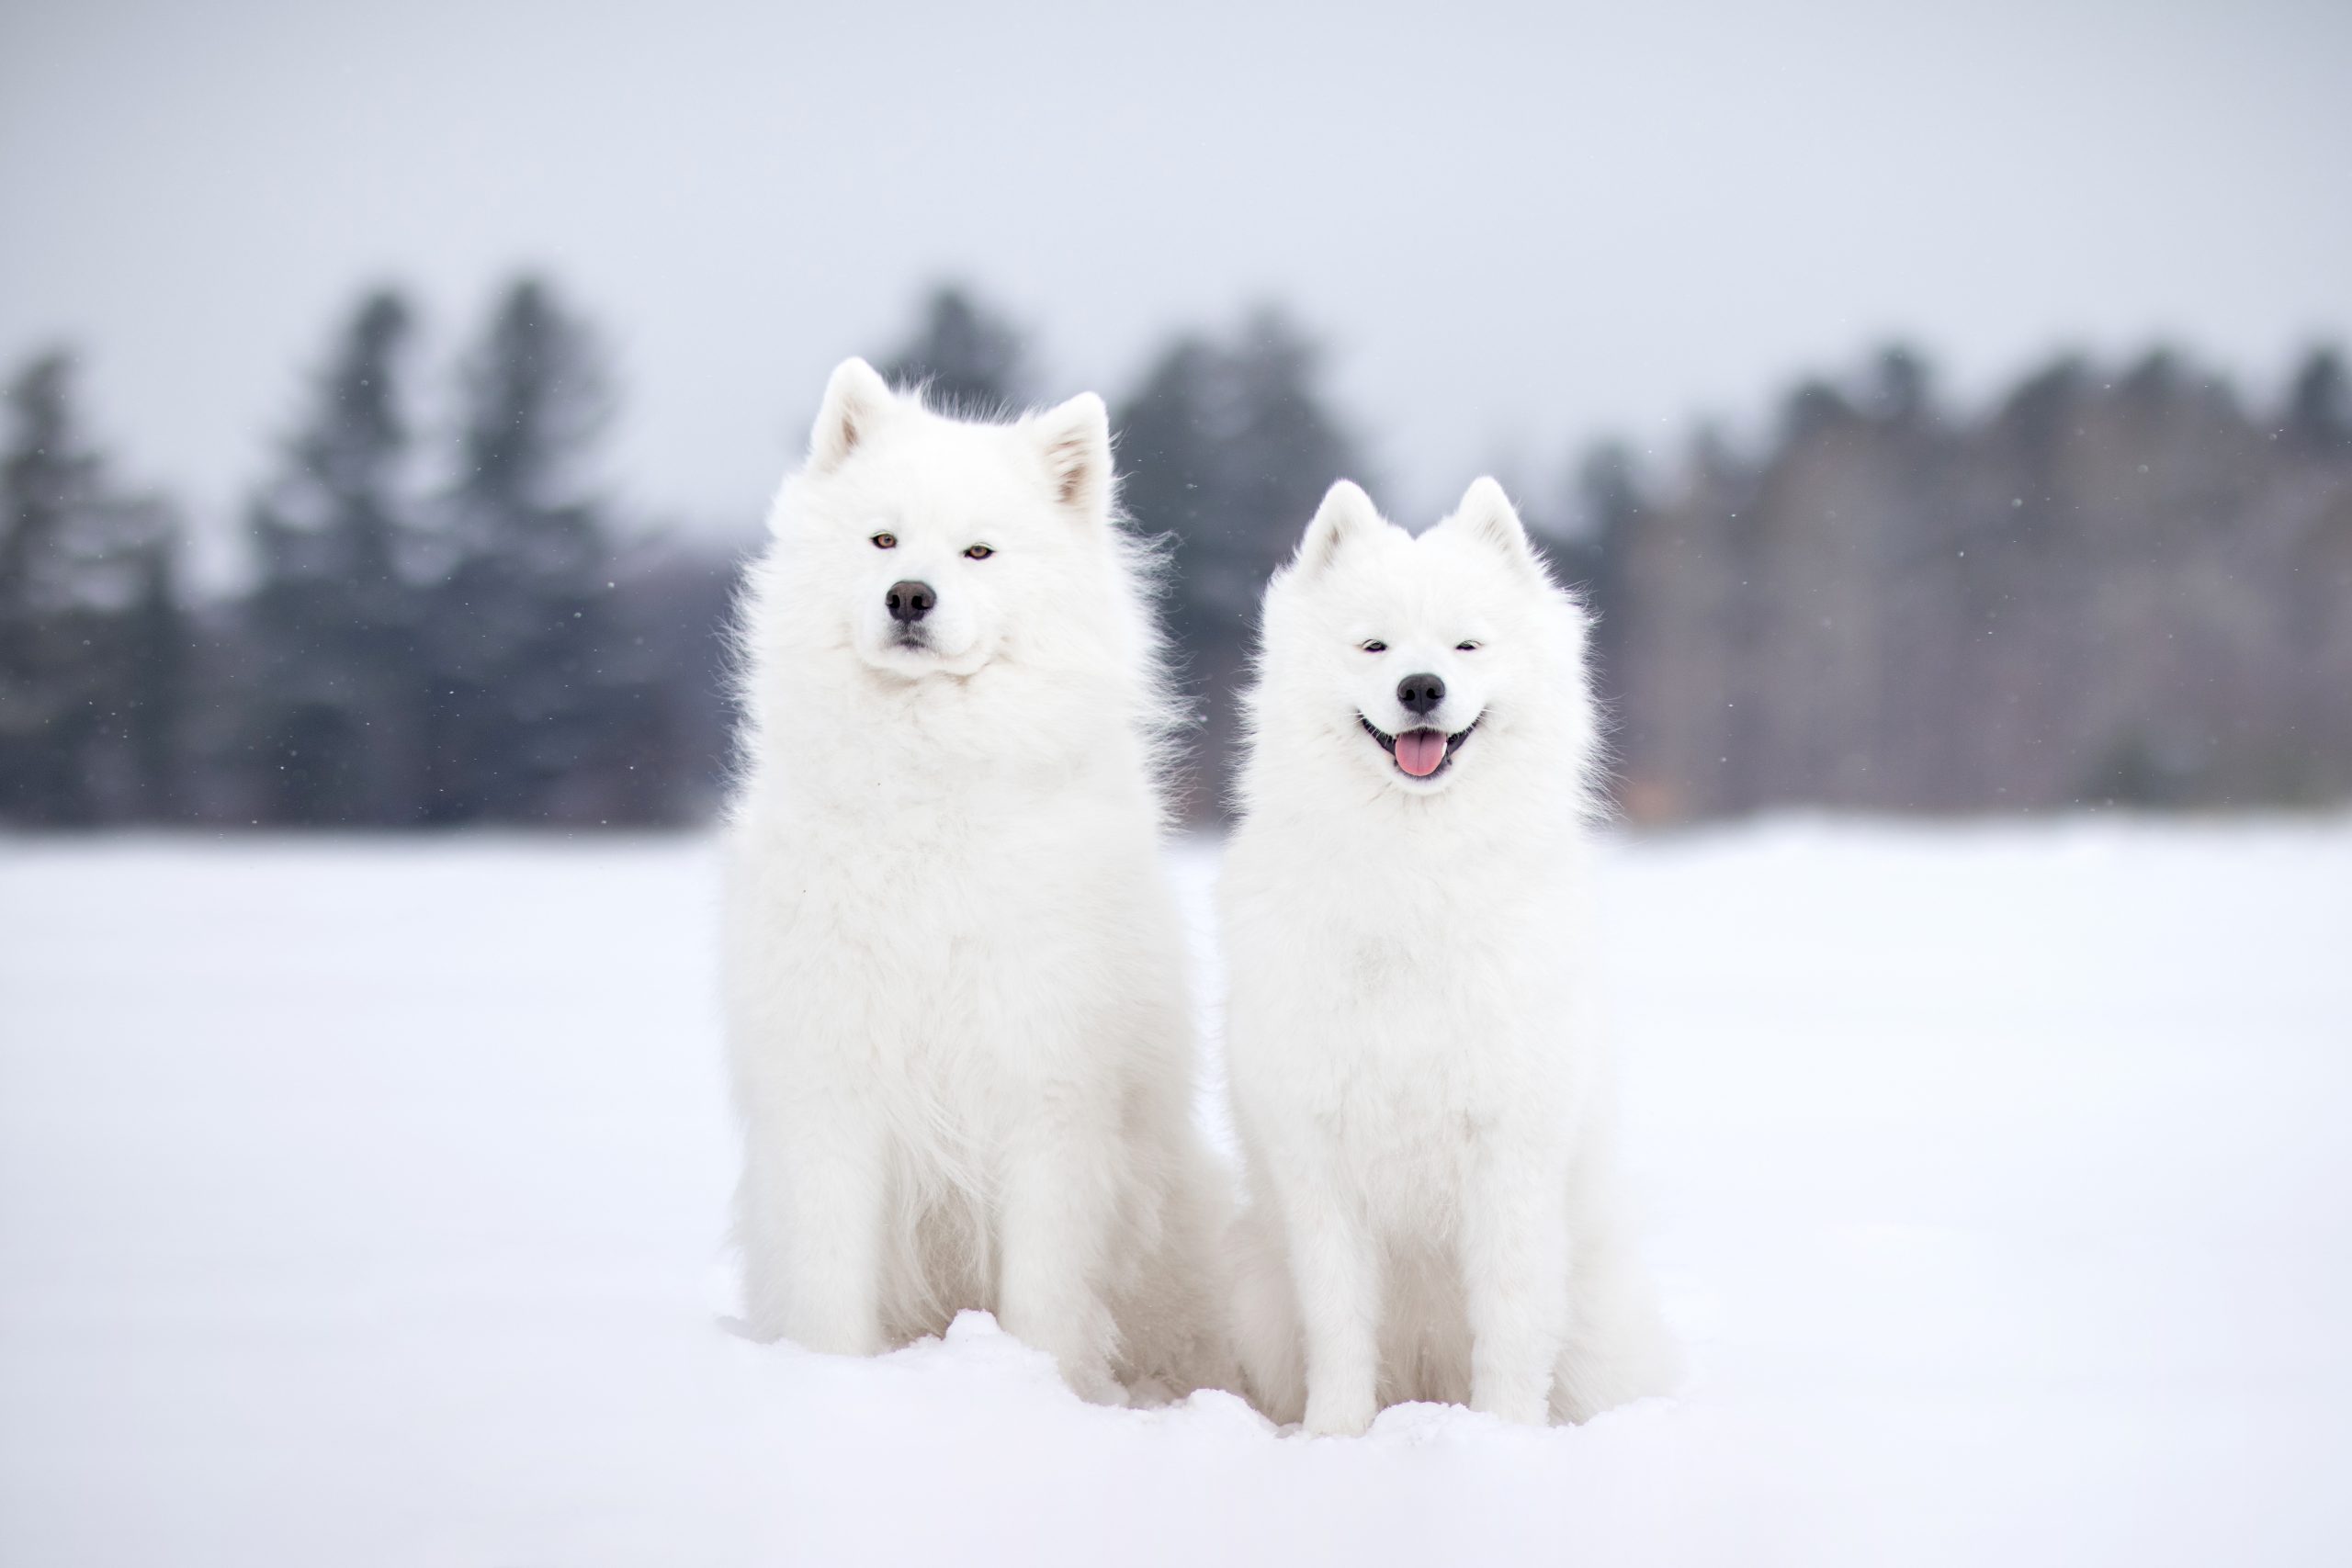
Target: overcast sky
x=1517 y=227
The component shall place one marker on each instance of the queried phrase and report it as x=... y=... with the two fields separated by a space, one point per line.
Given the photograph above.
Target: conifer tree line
x=2116 y=584
x=434 y=633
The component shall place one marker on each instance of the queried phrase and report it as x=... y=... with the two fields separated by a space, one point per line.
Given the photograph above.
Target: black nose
x=909 y=602
x=1419 y=693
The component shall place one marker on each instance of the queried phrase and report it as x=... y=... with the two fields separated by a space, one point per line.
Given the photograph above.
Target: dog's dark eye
x=1465 y=648
x=978 y=552
x=1374 y=646
x=885 y=541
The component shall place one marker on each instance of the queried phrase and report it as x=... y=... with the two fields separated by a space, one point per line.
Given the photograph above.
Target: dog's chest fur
x=1399 y=1012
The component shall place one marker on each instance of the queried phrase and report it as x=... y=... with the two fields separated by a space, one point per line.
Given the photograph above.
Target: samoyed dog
x=1422 y=1101
x=957 y=1015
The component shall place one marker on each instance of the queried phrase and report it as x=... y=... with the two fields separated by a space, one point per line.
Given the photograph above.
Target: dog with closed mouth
x=957 y=1019
x=1421 y=1096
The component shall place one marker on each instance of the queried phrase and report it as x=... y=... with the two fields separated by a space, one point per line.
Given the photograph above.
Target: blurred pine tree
x=335 y=619
x=1227 y=447
x=967 y=358
x=92 y=639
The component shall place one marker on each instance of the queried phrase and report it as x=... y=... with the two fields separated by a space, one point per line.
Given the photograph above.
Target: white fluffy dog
x=957 y=1015
x=1422 y=1101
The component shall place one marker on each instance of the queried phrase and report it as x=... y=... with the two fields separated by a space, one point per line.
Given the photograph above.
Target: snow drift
x=362 y=1203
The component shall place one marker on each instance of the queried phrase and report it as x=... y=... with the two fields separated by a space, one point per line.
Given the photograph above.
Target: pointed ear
x=1346 y=513
x=856 y=400
x=1075 y=438
x=1487 y=514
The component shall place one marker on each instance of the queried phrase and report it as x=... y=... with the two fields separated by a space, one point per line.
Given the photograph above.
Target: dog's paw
x=838 y=1338
x=1335 y=1416
x=1097 y=1386
x=1521 y=1407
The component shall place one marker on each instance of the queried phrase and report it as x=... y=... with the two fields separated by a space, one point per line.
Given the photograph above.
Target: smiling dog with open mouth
x=1419 y=1091
x=1425 y=753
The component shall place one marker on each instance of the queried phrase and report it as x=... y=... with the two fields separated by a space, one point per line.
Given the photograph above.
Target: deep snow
x=361 y=1204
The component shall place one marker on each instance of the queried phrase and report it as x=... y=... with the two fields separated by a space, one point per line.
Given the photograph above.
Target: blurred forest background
x=2116 y=585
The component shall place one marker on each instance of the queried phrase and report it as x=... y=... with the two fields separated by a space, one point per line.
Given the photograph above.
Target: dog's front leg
x=1515 y=1278
x=812 y=1208
x=1059 y=1200
x=1338 y=1301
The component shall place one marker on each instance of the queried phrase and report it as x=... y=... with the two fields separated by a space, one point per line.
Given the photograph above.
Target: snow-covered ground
x=361 y=1204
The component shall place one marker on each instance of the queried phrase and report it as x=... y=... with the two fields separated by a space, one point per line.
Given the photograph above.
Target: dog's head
x=932 y=546
x=1420 y=659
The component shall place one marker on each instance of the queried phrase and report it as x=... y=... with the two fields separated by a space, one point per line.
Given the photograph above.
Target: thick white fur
x=1423 y=1100
x=958 y=1025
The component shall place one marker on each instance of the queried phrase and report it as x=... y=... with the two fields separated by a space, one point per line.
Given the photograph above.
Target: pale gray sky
x=1518 y=226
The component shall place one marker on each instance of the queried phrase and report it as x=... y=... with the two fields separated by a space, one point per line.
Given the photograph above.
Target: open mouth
x=1419 y=753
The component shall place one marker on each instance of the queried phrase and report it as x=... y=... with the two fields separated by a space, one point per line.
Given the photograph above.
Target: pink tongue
x=1418 y=751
